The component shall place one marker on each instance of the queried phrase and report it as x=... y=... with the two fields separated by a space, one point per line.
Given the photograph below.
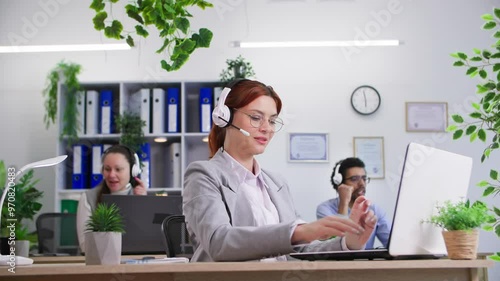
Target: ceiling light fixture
x=64 y=48
x=343 y=43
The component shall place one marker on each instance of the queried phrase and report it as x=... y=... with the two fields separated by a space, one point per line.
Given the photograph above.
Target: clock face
x=365 y=100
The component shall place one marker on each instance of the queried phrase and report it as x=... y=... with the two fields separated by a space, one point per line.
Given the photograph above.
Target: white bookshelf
x=192 y=146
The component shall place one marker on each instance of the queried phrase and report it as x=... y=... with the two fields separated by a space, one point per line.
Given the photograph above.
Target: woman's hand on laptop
x=362 y=215
x=325 y=228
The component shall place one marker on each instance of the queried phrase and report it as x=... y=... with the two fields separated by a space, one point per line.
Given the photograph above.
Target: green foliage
x=26 y=204
x=168 y=17
x=236 y=68
x=105 y=218
x=3 y=174
x=130 y=125
x=484 y=122
x=462 y=216
x=66 y=73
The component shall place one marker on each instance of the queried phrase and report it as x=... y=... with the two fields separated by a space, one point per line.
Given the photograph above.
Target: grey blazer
x=220 y=221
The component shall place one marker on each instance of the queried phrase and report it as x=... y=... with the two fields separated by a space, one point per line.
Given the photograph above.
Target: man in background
x=349 y=180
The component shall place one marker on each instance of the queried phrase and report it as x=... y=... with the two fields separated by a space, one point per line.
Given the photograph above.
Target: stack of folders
x=96 y=112
x=87 y=165
x=145 y=157
x=158 y=108
x=205 y=109
x=209 y=98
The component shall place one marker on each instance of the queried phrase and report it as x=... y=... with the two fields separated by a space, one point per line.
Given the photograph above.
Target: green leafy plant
x=130 y=125
x=3 y=174
x=463 y=216
x=484 y=121
x=236 y=68
x=168 y=17
x=105 y=218
x=67 y=74
x=26 y=202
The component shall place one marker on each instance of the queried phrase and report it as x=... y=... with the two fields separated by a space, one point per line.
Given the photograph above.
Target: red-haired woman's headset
x=222 y=115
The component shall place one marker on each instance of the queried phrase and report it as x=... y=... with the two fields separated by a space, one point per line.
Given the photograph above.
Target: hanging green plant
x=236 y=69
x=130 y=126
x=169 y=17
x=67 y=74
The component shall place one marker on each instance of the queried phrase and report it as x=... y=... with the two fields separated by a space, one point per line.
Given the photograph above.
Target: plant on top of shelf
x=485 y=118
x=237 y=68
x=169 y=18
x=130 y=126
x=66 y=73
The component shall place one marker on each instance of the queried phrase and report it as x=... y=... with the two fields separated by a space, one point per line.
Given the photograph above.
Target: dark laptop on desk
x=429 y=176
x=143 y=216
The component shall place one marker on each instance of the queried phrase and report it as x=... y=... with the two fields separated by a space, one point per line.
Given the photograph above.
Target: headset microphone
x=234 y=126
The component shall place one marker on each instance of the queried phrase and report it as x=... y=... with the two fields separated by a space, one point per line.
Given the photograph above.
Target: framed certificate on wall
x=426 y=116
x=371 y=151
x=308 y=147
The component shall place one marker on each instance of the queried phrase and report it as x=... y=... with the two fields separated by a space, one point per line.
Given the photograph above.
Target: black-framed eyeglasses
x=256 y=120
x=356 y=179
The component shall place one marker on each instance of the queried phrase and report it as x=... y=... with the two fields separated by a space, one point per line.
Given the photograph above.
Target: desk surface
x=401 y=270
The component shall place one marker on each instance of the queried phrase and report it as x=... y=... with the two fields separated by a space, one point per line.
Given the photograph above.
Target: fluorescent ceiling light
x=283 y=44
x=160 y=139
x=64 y=48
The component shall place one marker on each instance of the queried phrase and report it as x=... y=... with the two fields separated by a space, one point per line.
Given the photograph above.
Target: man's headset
x=136 y=167
x=222 y=115
x=337 y=177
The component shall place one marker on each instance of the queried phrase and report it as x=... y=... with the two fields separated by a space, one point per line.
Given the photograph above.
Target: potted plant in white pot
x=460 y=222
x=484 y=121
x=103 y=239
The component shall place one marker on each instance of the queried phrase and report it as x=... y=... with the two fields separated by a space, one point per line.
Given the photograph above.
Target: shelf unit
x=192 y=146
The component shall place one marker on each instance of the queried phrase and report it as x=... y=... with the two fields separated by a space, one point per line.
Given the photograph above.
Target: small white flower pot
x=103 y=248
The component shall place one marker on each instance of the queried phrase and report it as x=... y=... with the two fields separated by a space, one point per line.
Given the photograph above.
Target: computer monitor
x=143 y=216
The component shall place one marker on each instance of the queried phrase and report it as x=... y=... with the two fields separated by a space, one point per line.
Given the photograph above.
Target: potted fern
x=103 y=239
x=460 y=222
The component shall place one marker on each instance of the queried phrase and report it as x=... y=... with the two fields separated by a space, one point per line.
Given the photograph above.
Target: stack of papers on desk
x=153 y=261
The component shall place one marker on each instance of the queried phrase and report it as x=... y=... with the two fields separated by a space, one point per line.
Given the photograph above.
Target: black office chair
x=57 y=234
x=176 y=237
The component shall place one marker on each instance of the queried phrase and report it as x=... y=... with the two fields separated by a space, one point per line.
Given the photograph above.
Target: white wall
x=315 y=84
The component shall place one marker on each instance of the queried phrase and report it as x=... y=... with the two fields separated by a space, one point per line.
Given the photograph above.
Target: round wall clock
x=365 y=100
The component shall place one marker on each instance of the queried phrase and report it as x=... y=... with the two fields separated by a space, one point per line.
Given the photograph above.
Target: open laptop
x=143 y=216
x=430 y=176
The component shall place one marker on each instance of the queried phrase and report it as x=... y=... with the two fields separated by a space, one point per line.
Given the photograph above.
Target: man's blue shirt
x=382 y=230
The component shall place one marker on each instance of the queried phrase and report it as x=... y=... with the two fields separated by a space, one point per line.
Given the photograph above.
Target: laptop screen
x=143 y=216
x=430 y=176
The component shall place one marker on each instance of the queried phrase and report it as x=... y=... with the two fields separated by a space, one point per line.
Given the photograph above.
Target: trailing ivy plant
x=484 y=122
x=67 y=74
x=236 y=69
x=130 y=126
x=168 y=17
